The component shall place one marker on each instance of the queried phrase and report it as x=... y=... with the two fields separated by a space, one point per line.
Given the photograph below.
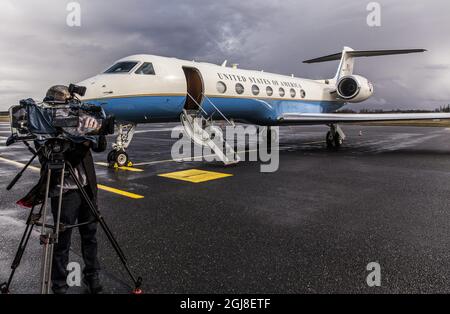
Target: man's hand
x=90 y=123
x=87 y=125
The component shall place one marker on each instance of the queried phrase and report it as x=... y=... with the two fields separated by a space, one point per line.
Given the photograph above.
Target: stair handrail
x=198 y=105
x=217 y=109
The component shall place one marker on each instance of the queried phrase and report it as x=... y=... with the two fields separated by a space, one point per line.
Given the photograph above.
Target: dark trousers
x=74 y=209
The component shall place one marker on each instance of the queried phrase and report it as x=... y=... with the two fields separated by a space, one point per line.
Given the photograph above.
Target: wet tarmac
x=310 y=227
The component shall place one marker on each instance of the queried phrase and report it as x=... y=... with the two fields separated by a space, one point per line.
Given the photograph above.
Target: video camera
x=58 y=119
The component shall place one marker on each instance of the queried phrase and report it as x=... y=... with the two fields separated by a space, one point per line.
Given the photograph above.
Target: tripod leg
x=55 y=235
x=50 y=239
x=47 y=238
x=21 y=249
x=137 y=282
x=44 y=238
x=19 y=175
x=60 y=198
x=45 y=276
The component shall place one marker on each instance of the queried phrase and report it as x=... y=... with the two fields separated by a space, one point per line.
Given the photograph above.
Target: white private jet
x=148 y=88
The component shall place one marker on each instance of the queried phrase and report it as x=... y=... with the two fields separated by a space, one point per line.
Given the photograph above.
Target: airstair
x=202 y=131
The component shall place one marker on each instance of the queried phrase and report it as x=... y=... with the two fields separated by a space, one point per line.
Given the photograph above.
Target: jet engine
x=354 y=88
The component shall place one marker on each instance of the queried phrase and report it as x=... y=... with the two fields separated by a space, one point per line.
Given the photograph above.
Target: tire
x=267 y=134
x=333 y=141
x=121 y=158
x=330 y=140
x=337 y=141
x=269 y=140
x=111 y=157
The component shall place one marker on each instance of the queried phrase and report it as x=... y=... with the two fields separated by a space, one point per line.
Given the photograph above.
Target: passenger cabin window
x=121 y=67
x=269 y=91
x=281 y=91
x=293 y=93
x=221 y=87
x=255 y=90
x=146 y=69
x=302 y=93
x=239 y=88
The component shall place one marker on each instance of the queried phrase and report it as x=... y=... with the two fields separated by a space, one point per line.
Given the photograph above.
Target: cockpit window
x=122 y=67
x=146 y=68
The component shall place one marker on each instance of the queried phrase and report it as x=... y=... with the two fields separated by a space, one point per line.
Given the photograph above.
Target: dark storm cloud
x=38 y=49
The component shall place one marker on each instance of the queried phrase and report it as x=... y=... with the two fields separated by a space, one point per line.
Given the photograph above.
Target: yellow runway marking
x=120 y=192
x=195 y=175
x=100 y=186
x=121 y=168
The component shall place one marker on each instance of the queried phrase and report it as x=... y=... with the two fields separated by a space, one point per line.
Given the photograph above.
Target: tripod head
x=54 y=148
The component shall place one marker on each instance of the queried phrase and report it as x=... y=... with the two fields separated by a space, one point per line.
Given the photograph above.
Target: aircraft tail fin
x=348 y=54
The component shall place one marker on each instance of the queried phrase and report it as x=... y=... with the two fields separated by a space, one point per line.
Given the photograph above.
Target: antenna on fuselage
x=224 y=64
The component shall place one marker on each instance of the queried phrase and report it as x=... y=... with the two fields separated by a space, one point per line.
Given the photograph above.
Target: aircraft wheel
x=122 y=159
x=338 y=140
x=330 y=140
x=267 y=134
x=111 y=157
x=334 y=141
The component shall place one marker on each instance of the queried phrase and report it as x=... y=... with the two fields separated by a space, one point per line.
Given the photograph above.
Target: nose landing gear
x=118 y=157
x=335 y=137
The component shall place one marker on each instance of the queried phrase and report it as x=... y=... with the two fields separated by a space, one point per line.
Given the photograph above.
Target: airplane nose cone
x=92 y=89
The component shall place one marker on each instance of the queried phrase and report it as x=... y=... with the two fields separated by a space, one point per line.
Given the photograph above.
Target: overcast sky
x=38 y=49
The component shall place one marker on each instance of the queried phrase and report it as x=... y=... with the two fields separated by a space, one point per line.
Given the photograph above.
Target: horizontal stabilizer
x=367 y=53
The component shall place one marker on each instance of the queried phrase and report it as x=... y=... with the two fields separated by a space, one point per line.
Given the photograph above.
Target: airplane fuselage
x=147 y=88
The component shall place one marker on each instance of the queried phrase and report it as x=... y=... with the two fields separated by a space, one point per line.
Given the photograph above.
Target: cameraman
x=74 y=208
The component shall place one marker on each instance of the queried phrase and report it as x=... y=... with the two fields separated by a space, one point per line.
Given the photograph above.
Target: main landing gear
x=335 y=137
x=118 y=157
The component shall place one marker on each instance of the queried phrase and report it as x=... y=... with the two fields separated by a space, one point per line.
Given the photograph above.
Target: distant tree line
x=444 y=108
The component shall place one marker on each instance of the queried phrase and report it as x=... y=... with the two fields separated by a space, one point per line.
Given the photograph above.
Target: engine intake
x=354 y=88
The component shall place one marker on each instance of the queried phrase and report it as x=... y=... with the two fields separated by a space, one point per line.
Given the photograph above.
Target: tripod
x=55 y=150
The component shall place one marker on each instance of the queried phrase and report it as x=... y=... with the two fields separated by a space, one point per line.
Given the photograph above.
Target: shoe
x=60 y=290
x=92 y=282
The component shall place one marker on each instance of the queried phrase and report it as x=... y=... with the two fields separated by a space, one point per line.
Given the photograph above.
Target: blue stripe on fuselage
x=142 y=109
x=266 y=111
